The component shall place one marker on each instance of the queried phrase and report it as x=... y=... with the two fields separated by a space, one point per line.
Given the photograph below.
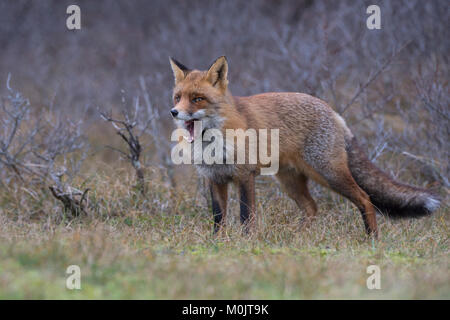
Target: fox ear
x=179 y=70
x=218 y=72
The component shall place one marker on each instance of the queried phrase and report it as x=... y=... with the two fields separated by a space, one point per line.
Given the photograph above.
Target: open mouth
x=190 y=128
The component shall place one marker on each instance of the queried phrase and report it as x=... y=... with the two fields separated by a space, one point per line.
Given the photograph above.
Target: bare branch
x=125 y=129
x=372 y=77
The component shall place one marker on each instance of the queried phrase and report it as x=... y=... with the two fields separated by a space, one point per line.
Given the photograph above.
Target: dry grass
x=161 y=247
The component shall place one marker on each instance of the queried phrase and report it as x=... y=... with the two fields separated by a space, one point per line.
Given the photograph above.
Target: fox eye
x=177 y=98
x=197 y=99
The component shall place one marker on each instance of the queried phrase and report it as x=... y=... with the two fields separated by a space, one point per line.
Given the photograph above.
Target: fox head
x=199 y=95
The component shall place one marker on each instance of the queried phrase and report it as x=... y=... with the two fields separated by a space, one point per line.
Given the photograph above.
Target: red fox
x=315 y=143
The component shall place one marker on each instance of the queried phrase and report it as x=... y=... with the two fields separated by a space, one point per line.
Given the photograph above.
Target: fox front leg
x=247 y=203
x=219 y=197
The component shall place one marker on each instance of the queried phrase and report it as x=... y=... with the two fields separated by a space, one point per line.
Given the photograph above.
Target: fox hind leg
x=296 y=186
x=341 y=181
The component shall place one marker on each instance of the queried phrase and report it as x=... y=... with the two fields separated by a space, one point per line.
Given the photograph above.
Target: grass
x=161 y=247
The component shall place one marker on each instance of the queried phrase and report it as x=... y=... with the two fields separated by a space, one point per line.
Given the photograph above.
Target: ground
x=161 y=247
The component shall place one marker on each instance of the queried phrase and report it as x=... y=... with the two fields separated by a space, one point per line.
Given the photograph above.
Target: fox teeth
x=188 y=139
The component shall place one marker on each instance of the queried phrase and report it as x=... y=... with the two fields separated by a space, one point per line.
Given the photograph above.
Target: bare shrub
x=41 y=150
x=126 y=128
x=431 y=113
x=142 y=119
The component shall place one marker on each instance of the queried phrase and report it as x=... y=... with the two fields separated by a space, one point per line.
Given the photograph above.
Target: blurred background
x=391 y=85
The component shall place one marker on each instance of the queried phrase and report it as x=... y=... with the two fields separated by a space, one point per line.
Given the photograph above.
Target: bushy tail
x=392 y=198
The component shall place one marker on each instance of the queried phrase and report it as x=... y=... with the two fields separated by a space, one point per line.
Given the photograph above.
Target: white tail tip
x=432 y=204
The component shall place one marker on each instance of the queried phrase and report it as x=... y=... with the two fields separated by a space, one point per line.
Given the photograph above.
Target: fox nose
x=174 y=112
